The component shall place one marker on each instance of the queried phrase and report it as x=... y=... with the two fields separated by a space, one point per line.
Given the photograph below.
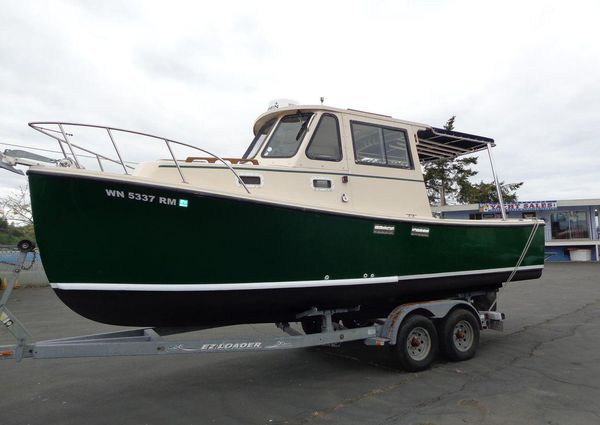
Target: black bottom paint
x=217 y=308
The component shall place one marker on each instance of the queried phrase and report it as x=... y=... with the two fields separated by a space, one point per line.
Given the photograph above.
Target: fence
x=33 y=273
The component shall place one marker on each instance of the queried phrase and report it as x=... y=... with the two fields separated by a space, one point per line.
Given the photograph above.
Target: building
x=572 y=230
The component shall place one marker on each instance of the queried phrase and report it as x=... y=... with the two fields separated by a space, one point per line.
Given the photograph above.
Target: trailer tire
x=417 y=343
x=25 y=246
x=459 y=335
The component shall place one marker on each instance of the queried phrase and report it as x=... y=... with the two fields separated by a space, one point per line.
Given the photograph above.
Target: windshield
x=259 y=139
x=287 y=137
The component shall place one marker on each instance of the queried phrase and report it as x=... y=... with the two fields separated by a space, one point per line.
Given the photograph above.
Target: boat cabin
x=330 y=158
x=309 y=156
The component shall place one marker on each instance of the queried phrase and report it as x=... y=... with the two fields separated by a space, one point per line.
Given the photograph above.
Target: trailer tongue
x=410 y=329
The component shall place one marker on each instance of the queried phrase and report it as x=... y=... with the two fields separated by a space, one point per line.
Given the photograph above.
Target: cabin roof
x=287 y=109
x=433 y=143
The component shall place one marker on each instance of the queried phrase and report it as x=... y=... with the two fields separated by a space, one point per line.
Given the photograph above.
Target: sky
x=524 y=73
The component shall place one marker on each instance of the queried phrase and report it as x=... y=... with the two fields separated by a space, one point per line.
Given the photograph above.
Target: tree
x=16 y=207
x=446 y=178
x=486 y=192
x=16 y=221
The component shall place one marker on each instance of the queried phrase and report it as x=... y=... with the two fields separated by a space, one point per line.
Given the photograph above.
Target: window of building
x=287 y=137
x=325 y=144
x=569 y=225
x=482 y=216
x=378 y=145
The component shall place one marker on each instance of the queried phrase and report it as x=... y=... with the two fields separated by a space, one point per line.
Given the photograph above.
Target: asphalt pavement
x=543 y=369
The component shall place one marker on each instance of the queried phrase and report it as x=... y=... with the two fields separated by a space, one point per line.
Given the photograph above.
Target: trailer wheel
x=460 y=335
x=417 y=343
x=25 y=246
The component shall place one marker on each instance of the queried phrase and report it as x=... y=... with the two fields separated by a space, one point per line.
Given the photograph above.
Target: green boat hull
x=135 y=253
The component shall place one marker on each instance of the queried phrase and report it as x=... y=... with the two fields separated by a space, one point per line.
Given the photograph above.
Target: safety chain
x=24 y=267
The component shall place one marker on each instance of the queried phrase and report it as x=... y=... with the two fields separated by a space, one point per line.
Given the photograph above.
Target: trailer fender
x=433 y=309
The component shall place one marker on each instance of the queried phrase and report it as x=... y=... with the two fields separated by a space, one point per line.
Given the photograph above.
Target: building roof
x=560 y=203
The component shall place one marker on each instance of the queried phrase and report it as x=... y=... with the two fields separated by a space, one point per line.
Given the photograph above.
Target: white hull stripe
x=272 y=285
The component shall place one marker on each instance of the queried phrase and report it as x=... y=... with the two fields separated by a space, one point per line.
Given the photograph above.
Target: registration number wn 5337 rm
x=143 y=197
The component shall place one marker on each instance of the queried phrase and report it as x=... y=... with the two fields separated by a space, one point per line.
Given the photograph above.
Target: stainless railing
x=59 y=134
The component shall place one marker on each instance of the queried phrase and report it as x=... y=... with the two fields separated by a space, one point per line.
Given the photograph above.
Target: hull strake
x=217 y=308
x=206 y=287
x=89 y=235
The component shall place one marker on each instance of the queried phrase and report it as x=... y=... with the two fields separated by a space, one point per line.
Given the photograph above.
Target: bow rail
x=70 y=149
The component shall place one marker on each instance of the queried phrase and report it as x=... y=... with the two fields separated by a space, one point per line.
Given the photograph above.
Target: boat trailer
x=412 y=329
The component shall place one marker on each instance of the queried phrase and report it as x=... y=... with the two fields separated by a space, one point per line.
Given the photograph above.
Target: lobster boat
x=327 y=208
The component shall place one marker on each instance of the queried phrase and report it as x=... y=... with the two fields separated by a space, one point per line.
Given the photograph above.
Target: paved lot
x=544 y=369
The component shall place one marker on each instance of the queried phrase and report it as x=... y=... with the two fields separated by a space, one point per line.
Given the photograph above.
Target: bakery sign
x=519 y=206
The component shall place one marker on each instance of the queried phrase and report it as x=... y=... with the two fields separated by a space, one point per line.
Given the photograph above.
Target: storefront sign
x=520 y=206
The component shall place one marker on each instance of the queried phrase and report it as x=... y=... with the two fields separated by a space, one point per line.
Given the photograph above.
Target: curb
x=20 y=285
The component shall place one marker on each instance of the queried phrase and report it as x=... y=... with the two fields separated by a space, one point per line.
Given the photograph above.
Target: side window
x=325 y=144
x=368 y=144
x=396 y=148
x=378 y=145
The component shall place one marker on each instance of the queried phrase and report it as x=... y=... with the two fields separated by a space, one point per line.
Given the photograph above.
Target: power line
x=38 y=149
x=58 y=152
